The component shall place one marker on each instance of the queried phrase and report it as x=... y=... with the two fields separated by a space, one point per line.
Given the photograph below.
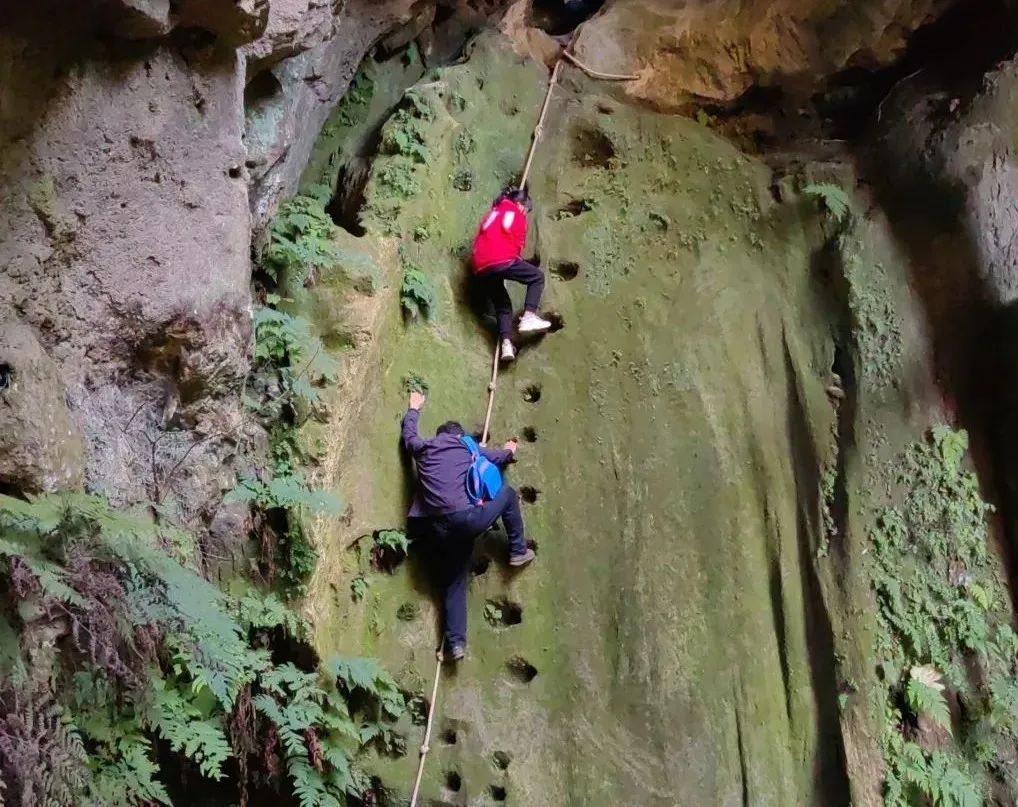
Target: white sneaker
x=508 y=352
x=531 y=322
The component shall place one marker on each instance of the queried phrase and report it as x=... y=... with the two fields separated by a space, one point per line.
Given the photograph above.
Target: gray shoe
x=456 y=653
x=522 y=560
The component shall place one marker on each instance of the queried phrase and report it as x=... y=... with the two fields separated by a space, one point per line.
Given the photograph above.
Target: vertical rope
x=539 y=129
x=426 y=745
x=491 y=391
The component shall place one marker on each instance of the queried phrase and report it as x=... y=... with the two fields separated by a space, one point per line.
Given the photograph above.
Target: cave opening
x=955 y=50
x=562 y=17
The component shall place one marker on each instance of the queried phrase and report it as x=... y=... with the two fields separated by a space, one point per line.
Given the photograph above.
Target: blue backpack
x=484 y=479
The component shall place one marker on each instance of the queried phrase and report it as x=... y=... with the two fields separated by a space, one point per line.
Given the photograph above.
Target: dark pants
x=454 y=537
x=522 y=272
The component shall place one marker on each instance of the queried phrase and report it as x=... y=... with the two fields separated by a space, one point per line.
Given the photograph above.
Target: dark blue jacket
x=442 y=465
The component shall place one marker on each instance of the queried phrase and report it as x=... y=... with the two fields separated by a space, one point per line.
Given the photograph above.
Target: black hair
x=450 y=427
x=519 y=195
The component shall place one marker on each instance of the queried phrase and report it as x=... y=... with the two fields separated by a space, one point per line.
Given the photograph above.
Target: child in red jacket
x=497 y=257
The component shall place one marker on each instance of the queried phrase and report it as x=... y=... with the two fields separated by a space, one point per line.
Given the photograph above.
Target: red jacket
x=501 y=237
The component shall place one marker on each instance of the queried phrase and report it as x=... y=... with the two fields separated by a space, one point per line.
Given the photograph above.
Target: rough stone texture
x=125 y=236
x=40 y=447
x=139 y=19
x=285 y=111
x=967 y=146
x=680 y=618
x=716 y=51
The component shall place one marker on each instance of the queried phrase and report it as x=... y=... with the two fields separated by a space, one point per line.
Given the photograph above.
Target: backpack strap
x=475 y=487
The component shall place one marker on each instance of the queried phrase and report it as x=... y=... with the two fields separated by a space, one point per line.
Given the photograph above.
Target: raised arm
x=411 y=439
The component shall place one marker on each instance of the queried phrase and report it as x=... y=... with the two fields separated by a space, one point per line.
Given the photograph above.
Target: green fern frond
x=834 y=199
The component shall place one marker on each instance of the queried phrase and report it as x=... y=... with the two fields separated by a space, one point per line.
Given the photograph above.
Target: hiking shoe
x=457 y=652
x=522 y=560
x=508 y=352
x=530 y=322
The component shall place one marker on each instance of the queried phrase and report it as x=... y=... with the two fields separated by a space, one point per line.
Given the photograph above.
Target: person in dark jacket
x=453 y=522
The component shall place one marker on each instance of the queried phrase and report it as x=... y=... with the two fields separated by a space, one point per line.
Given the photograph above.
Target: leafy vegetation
x=416 y=292
x=300 y=238
x=942 y=616
x=354 y=104
x=405 y=132
x=291 y=367
x=389 y=549
x=146 y=649
x=834 y=200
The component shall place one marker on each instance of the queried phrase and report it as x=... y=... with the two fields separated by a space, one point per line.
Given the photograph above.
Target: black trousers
x=522 y=272
x=453 y=537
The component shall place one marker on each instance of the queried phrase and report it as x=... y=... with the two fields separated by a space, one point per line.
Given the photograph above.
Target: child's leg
x=532 y=277
x=495 y=288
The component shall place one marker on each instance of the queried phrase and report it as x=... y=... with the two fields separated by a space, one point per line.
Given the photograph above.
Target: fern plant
x=181 y=657
x=833 y=199
x=416 y=293
x=300 y=238
x=925 y=695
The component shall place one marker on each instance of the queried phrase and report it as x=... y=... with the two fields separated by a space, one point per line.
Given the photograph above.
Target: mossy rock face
x=675 y=642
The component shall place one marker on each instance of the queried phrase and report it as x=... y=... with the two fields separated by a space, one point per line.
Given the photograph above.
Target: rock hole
x=6 y=376
x=521 y=669
x=261 y=89
x=501 y=760
x=592 y=148
x=349 y=196
x=532 y=393
x=503 y=613
x=530 y=434
x=568 y=270
x=448 y=736
x=235 y=172
x=408 y=612
x=498 y=792
x=574 y=208
x=529 y=494
x=453 y=781
x=557 y=321
x=604 y=109
x=480 y=566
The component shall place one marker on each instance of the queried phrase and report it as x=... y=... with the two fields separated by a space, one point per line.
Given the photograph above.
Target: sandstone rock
x=140 y=19
x=123 y=209
x=236 y=21
x=716 y=51
x=40 y=446
x=293 y=27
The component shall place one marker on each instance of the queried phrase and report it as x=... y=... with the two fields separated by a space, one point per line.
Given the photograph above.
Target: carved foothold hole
x=453 y=781
x=6 y=375
x=481 y=566
x=503 y=613
x=574 y=208
x=529 y=494
x=501 y=760
x=449 y=737
x=532 y=544
x=567 y=270
x=557 y=321
x=521 y=669
x=530 y=434
x=498 y=792
x=592 y=148
x=532 y=393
